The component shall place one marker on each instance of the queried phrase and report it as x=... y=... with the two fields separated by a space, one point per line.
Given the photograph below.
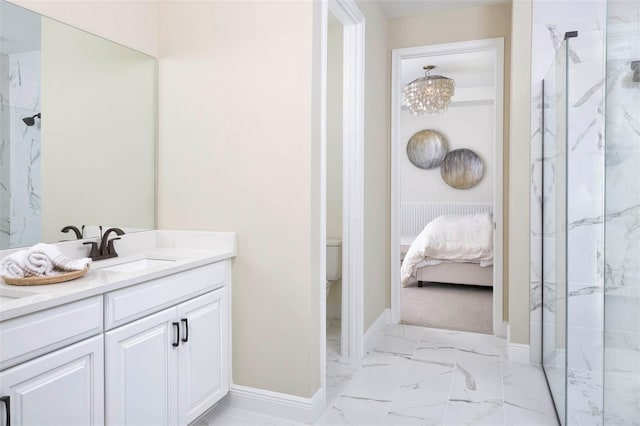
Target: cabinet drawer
x=128 y=304
x=30 y=336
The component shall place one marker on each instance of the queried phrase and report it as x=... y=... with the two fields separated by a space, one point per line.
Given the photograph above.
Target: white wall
x=334 y=149
x=133 y=23
x=237 y=153
x=377 y=165
x=519 y=164
x=468 y=127
x=334 y=131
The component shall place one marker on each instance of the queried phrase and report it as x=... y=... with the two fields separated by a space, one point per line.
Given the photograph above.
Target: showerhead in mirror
x=30 y=121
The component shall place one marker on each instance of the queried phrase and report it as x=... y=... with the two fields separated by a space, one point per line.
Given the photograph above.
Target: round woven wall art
x=462 y=169
x=427 y=149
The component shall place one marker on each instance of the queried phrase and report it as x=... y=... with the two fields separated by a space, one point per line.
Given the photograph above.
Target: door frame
x=352 y=316
x=353 y=21
x=495 y=45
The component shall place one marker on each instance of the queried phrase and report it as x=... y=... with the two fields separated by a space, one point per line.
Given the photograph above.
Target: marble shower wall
x=585 y=200
x=585 y=230
x=622 y=226
x=20 y=178
x=550 y=22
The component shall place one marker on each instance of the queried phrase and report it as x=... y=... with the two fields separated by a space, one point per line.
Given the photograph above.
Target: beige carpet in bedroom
x=448 y=306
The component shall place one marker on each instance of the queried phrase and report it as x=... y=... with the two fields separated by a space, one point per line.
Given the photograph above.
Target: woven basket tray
x=55 y=279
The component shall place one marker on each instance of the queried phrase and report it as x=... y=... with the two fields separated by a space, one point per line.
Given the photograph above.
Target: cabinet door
x=203 y=357
x=65 y=387
x=141 y=376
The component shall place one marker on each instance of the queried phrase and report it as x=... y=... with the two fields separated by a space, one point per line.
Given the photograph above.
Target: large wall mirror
x=77 y=131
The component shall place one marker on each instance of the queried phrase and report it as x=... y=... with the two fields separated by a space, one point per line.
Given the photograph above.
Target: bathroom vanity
x=141 y=339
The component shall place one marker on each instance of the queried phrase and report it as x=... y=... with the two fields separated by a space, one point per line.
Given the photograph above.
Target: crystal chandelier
x=430 y=94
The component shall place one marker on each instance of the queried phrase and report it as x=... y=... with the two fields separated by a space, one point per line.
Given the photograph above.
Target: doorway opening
x=342 y=186
x=452 y=286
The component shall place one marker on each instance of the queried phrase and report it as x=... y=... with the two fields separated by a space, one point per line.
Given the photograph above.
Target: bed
x=452 y=248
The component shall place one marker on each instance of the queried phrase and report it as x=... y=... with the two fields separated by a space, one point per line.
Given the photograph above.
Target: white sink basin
x=7 y=294
x=137 y=265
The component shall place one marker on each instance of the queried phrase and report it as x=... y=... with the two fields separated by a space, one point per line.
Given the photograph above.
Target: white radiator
x=415 y=216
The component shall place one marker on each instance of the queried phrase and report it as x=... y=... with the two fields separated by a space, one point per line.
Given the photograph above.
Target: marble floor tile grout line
x=406 y=372
x=455 y=366
x=405 y=375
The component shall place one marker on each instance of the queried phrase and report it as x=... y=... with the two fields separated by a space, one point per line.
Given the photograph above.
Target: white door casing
x=353 y=77
x=353 y=21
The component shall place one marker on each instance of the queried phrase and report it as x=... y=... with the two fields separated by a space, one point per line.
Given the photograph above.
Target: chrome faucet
x=106 y=249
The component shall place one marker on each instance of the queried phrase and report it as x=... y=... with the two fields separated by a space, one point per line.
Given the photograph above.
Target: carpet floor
x=448 y=306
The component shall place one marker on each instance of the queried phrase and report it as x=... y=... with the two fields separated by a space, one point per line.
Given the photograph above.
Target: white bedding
x=455 y=238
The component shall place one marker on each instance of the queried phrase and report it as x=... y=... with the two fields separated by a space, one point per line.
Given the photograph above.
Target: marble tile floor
x=225 y=415
x=339 y=371
x=422 y=376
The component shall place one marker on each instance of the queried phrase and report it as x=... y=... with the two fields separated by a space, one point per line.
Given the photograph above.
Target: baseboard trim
x=518 y=353
x=376 y=329
x=501 y=329
x=276 y=404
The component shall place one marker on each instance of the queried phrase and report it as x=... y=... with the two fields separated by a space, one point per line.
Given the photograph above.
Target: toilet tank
x=334 y=259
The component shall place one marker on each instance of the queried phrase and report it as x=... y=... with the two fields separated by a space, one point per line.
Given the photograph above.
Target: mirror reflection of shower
x=30 y=121
x=20 y=130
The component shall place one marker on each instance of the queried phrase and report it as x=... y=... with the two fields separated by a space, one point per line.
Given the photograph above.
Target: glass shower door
x=554 y=232
x=622 y=225
x=573 y=211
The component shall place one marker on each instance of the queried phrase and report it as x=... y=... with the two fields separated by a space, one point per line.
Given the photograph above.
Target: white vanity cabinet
x=171 y=366
x=142 y=339
x=156 y=352
x=64 y=387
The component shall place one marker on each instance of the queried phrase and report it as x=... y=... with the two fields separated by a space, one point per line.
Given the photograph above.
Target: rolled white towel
x=59 y=261
x=65 y=263
x=38 y=264
x=13 y=266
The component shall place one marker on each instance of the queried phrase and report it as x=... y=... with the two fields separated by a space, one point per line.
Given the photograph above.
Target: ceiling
x=401 y=8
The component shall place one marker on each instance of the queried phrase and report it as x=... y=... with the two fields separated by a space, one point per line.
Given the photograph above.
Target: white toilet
x=334 y=261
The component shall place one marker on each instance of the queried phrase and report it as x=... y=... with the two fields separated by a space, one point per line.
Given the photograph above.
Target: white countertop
x=182 y=250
